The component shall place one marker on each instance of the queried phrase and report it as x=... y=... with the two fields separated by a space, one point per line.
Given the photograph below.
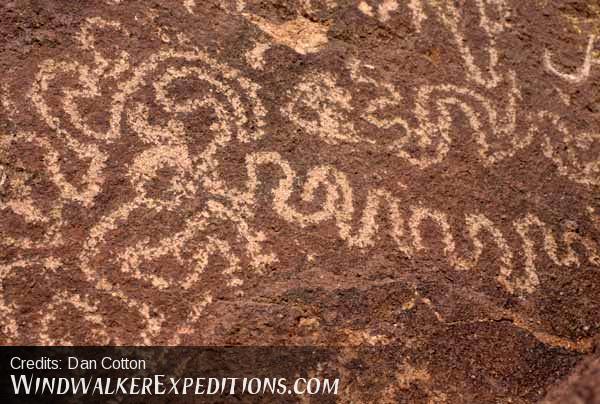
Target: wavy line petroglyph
x=339 y=207
x=432 y=136
x=435 y=136
x=496 y=129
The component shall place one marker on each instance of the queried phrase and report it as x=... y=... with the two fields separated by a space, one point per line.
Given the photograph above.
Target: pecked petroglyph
x=173 y=155
x=583 y=72
x=435 y=134
x=339 y=207
x=256 y=56
x=432 y=136
x=492 y=21
x=334 y=109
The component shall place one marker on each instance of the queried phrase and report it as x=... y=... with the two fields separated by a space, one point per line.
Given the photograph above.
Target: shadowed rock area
x=580 y=387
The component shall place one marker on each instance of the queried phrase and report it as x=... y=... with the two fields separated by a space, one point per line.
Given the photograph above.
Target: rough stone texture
x=419 y=174
x=581 y=387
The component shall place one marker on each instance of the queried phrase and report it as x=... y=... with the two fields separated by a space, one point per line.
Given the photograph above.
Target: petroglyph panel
x=346 y=173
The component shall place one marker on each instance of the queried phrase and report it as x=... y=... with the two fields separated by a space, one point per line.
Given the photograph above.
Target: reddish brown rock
x=419 y=176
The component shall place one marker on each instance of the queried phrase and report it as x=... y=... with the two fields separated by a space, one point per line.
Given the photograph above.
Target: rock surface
x=421 y=176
